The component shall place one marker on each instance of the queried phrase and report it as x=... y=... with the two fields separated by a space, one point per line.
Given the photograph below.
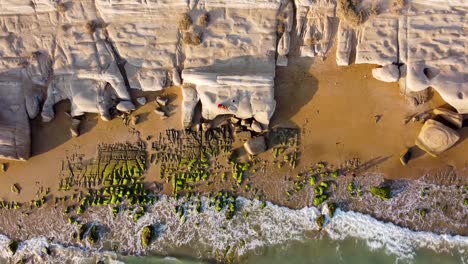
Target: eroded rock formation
x=223 y=52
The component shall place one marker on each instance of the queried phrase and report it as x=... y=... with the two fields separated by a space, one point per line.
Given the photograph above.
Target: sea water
x=322 y=251
x=273 y=234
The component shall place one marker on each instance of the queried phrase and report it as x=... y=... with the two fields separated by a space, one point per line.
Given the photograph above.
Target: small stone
x=206 y=126
x=75 y=127
x=255 y=146
x=453 y=118
x=141 y=100
x=125 y=106
x=256 y=127
x=159 y=111
x=234 y=120
x=134 y=120
x=3 y=167
x=105 y=117
x=161 y=101
x=245 y=123
x=405 y=157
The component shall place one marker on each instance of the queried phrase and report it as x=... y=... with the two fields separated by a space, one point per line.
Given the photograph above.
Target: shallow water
x=320 y=251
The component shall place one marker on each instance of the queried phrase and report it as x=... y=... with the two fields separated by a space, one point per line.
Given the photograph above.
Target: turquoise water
x=318 y=251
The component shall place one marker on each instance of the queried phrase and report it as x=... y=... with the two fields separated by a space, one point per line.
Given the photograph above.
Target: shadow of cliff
x=295 y=86
x=47 y=136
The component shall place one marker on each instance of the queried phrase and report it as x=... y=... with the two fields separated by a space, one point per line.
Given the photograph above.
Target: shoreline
x=235 y=240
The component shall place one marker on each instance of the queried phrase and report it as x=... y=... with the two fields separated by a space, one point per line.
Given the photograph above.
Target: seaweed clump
x=147 y=236
x=320 y=221
x=382 y=192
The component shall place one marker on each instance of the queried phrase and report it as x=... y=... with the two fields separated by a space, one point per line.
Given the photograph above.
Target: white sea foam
x=396 y=240
x=251 y=229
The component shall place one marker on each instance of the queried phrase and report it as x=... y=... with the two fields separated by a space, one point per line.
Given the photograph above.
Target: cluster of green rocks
x=189 y=172
x=383 y=193
x=221 y=200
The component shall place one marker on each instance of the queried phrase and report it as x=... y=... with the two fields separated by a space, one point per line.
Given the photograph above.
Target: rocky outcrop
x=435 y=138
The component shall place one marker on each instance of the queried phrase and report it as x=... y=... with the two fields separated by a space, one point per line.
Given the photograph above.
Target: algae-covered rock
x=147 y=236
x=320 y=221
x=93 y=235
x=383 y=192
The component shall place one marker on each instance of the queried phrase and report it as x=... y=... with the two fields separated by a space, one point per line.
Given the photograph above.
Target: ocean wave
x=251 y=229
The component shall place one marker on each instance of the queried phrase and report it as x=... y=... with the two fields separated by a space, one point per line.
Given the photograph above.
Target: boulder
x=435 y=138
x=125 y=106
x=453 y=118
x=255 y=145
x=387 y=73
x=75 y=127
x=141 y=100
x=256 y=127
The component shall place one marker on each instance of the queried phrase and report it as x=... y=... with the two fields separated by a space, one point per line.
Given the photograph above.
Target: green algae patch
x=93 y=235
x=147 y=236
x=382 y=192
x=320 y=221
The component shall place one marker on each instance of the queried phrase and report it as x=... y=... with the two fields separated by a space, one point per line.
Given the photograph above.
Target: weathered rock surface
x=255 y=145
x=141 y=100
x=344 y=45
x=387 y=73
x=435 y=138
x=256 y=127
x=75 y=51
x=125 y=106
x=314 y=26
